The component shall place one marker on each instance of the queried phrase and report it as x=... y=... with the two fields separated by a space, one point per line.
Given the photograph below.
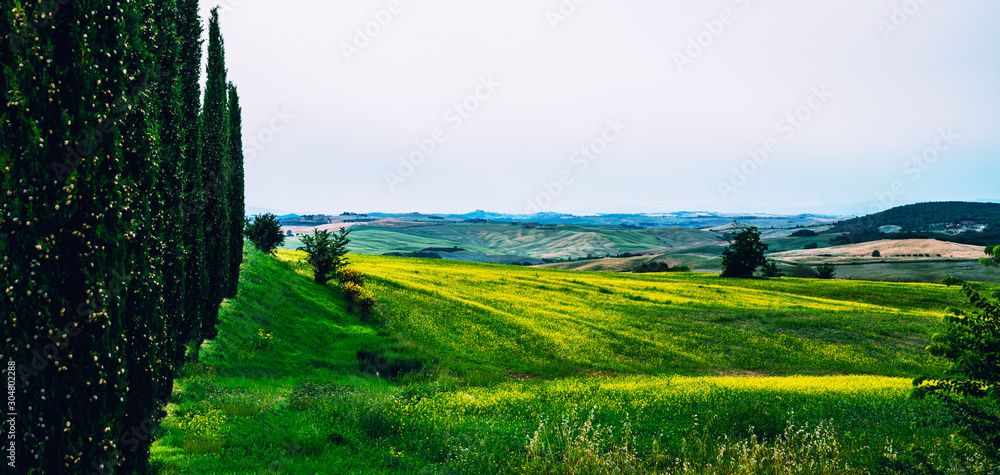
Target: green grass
x=552 y=322
x=525 y=370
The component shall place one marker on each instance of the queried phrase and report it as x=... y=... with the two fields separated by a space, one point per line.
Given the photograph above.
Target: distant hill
x=921 y=217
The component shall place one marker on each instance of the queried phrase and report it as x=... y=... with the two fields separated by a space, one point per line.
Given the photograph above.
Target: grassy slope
x=249 y=406
x=248 y=377
x=552 y=322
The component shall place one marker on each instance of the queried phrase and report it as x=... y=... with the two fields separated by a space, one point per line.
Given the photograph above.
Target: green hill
x=505 y=242
x=922 y=217
x=477 y=368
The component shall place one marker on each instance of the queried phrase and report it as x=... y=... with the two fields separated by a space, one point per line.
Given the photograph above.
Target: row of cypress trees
x=121 y=220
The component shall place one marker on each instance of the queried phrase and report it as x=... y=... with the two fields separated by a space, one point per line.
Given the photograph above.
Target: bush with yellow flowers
x=358 y=297
x=350 y=274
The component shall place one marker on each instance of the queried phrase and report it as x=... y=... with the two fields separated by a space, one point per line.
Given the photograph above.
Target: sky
x=582 y=106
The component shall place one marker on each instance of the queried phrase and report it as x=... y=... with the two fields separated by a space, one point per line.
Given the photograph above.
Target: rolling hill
x=496 y=369
x=898 y=250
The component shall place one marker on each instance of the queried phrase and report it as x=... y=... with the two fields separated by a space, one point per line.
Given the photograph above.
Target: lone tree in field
x=744 y=254
x=971 y=341
x=875 y=253
x=265 y=232
x=326 y=252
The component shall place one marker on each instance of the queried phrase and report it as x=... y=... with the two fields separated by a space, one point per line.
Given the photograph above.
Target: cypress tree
x=189 y=68
x=144 y=325
x=215 y=164
x=237 y=208
x=166 y=48
x=61 y=233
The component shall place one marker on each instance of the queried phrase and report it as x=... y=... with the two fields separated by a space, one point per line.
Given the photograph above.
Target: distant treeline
x=658 y=266
x=921 y=217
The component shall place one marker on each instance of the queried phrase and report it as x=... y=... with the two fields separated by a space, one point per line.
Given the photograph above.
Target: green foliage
x=102 y=287
x=875 y=253
x=237 y=208
x=994 y=257
x=826 y=271
x=264 y=231
x=216 y=170
x=658 y=266
x=921 y=216
x=189 y=31
x=771 y=269
x=812 y=245
x=802 y=271
x=326 y=252
x=924 y=221
x=804 y=233
x=971 y=342
x=744 y=254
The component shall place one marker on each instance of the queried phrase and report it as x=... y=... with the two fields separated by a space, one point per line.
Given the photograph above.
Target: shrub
x=771 y=269
x=826 y=271
x=802 y=271
x=358 y=297
x=326 y=252
x=658 y=266
x=875 y=253
x=350 y=274
x=804 y=233
x=811 y=245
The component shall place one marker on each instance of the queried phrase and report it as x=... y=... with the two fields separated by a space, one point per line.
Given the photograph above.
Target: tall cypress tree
x=237 y=208
x=189 y=31
x=64 y=257
x=166 y=48
x=215 y=165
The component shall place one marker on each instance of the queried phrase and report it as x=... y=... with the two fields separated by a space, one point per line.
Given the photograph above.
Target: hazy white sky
x=665 y=98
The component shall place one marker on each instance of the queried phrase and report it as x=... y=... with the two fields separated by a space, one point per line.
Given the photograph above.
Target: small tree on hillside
x=744 y=254
x=264 y=231
x=875 y=253
x=326 y=252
